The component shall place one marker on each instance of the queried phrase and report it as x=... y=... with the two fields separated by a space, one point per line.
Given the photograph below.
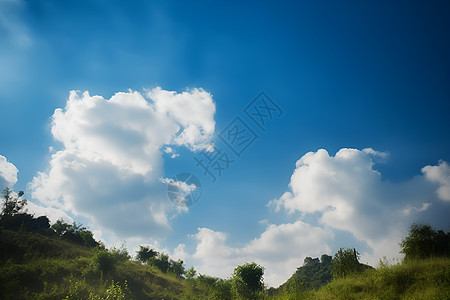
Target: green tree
x=312 y=275
x=345 y=262
x=248 y=281
x=75 y=233
x=12 y=203
x=60 y=227
x=144 y=253
x=104 y=261
x=177 y=267
x=161 y=262
x=190 y=273
x=424 y=242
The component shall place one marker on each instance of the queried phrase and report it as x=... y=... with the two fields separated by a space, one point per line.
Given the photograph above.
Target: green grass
x=35 y=266
x=421 y=279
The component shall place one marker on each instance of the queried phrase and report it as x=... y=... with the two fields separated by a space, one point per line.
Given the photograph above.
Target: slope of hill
x=418 y=279
x=37 y=266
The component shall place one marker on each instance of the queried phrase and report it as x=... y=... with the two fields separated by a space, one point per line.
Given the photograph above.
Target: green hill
x=37 y=266
x=63 y=261
x=416 y=279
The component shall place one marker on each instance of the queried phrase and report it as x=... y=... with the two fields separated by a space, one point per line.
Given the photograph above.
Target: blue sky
x=357 y=75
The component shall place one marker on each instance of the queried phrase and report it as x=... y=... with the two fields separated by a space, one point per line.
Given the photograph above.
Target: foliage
x=144 y=253
x=313 y=274
x=34 y=266
x=213 y=288
x=222 y=289
x=177 y=267
x=425 y=242
x=14 y=217
x=164 y=263
x=113 y=292
x=161 y=262
x=345 y=262
x=75 y=233
x=26 y=222
x=190 y=273
x=248 y=280
x=419 y=279
x=105 y=261
x=41 y=262
x=12 y=203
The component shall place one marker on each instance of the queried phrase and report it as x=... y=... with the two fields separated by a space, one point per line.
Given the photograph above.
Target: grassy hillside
x=419 y=279
x=35 y=266
x=45 y=266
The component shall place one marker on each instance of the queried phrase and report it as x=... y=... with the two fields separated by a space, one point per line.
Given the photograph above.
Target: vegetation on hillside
x=64 y=261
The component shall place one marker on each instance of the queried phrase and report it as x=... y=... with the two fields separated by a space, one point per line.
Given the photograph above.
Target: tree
x=14 y=216
x=424 y=242
x=345 y=262
x=60 y=227
x=312 y=275
x=177 y=267
x=161 y=262
x=75 y=233
x=12 y=203
x=190 y=273
x=144 y=253
x=248 y=280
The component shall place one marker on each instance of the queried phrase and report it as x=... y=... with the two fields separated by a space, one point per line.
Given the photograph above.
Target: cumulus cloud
x=8 y=173
x=348 y=194
x=194 y=110
x=8 y=178
x=280 y=249
x=53 y=214
x=110 y=166
x=342 y=193
x=439 y=174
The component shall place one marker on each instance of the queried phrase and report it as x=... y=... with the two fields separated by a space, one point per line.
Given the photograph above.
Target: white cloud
x=170 y=150
x=53 y=214
x=441 y=175
x=411 y=209
x=110 y=166
x=8 y=178
x=348 y=194
x=8 y=173
x=280 y=249
x=343 y=192
x=194 y=110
